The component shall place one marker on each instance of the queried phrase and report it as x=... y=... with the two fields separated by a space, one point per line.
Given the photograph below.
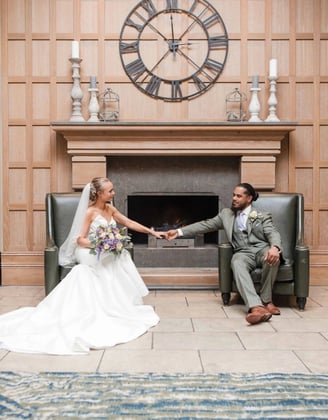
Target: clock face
x=173 y=49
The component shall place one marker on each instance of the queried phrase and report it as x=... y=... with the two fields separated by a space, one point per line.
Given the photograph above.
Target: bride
x=99 y=303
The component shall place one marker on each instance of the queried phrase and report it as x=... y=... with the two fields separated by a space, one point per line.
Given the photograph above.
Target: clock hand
x=192 y=24
x=151 y=26
x=173 y=45
x=156 y=65
x=195 y=65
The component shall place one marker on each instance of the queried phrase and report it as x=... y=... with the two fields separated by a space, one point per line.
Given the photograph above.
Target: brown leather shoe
x=272 y=308
x=258 y=314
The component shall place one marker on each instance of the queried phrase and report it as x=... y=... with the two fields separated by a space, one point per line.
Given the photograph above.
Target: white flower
x=253 y=215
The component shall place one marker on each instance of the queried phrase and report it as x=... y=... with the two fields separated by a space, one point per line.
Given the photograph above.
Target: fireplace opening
x=171 y=211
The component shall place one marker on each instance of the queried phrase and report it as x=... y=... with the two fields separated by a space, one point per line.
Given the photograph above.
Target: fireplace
x=164 y=211
x=187 y=157
x=158 y=191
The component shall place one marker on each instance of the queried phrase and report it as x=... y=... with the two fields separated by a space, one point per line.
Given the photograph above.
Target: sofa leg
x=301 y=301
x=225 y=298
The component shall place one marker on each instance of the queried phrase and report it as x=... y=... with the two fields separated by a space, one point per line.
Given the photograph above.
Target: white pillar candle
x=93 y=82
x=273 y=67
x=255 y=82
x=75 y=49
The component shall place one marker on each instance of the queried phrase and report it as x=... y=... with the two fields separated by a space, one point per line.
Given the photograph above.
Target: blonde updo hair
x=96 y=185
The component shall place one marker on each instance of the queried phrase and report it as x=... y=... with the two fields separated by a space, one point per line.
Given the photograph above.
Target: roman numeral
x=172 y=4
x=211 y=20
x=148 y=5
x=176 y=91
x=193 y=6
x=198 y=82
x=128 y=47
x=218 y=41
x=135 y=69
x=134 y=25
x=214 y=65
x=153 y=85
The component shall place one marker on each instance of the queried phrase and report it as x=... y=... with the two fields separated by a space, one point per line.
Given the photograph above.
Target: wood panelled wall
x=36 y=82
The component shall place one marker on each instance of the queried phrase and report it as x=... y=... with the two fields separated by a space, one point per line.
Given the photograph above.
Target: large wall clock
x=173 y=49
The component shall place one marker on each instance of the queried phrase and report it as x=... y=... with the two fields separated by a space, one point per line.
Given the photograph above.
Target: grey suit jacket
x=260 y=228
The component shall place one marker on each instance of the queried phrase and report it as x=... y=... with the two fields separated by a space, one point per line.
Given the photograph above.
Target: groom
x=255 y=241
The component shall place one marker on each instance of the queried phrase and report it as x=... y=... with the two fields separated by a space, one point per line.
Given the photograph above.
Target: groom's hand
x=172 y=234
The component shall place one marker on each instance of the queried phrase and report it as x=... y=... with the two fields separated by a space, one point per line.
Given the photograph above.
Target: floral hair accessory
x=109 y=239
x=253 y=215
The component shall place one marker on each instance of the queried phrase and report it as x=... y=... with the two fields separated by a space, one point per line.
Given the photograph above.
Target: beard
x=234 y=209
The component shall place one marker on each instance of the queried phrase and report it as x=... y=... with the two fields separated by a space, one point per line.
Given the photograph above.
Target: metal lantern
x=109 y=105
x=235 y=105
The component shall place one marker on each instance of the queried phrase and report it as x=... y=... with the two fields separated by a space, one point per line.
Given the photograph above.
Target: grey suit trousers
x=243 y=262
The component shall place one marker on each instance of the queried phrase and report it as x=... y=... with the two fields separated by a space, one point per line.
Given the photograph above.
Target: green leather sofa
x=60 y=210
x=293 y=277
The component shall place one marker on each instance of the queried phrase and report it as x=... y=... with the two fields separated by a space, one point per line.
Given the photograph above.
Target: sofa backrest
x=287 y=216
x=60 y=208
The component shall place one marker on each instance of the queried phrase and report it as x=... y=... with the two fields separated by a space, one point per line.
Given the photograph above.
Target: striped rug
x=155 y=396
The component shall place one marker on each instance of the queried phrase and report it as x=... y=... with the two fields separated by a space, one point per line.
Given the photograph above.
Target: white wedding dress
x=97 y=305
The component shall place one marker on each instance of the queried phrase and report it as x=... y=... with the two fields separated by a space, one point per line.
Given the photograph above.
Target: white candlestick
x=93 y=82
x=273 y=67
x=75 y=49
x=255 y=82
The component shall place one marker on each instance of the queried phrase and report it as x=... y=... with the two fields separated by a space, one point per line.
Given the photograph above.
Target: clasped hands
x=168 y=235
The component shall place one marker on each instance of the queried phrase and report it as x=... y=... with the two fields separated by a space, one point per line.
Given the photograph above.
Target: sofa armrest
x=302 y=271
x=51 y=268
x=225 y=272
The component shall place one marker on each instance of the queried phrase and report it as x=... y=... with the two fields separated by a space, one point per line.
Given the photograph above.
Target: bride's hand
x=159 y=235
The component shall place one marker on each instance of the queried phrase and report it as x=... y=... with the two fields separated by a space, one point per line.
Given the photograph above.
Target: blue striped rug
x=156 y=396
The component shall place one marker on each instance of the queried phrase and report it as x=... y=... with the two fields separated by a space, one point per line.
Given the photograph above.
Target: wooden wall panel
x=16 y=102
x=16 y=16
x=40 y=16
x=256 y=16
x=36 y=38
x=17 y=145
x=41 y=145
x=305 y=58
x=16 y=58
x=324 y=58
x=304 y=10
x=17 y=240
x=280 y=12
x=303 y=145
x=323 y=233
x=324 y=143
x=41 y=185
x=308 y=227
x=304 y=102
x=64 y=11
x=89 y=17
x=40 y=58
x=323 y=174
x=324 y=16
x=39 y=237
x=41 y=103
x=18 y=193
x=324 y=101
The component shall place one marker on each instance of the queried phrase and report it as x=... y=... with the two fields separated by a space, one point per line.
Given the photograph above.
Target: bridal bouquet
x=110 y=239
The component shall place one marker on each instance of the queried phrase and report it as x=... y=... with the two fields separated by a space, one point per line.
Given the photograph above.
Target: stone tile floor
x=196 y=334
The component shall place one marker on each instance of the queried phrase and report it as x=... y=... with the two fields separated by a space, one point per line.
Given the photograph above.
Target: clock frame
x=173 y=49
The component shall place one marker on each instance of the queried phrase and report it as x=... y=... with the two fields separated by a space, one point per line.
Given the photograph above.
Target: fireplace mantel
x=257 y=145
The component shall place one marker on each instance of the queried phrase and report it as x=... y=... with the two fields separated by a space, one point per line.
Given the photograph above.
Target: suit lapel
x=230 y=225
x=249 y=223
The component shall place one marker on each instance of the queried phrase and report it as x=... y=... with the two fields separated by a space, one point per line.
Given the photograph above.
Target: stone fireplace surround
x=175 y=158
